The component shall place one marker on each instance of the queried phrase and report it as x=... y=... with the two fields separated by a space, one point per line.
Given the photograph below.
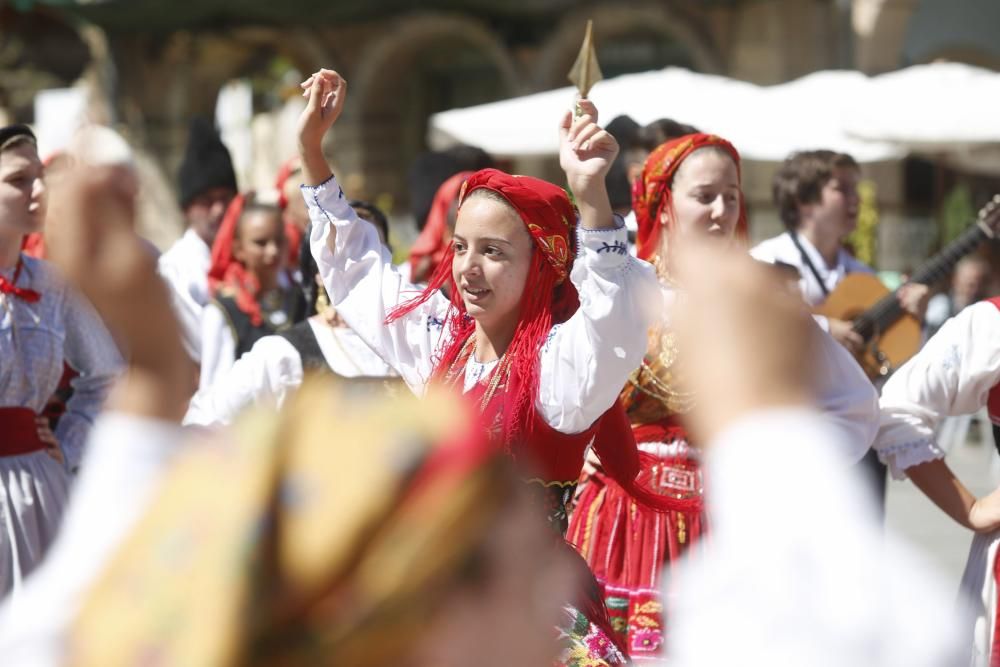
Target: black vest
x=290 y=310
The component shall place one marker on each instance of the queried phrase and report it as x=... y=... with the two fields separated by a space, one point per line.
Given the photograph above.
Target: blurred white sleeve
x=796 y=571
x=265 y=376
x=124 y=460
x=846 y=396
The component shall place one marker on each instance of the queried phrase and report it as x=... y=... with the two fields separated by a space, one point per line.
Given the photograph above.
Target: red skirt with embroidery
x=629 y=547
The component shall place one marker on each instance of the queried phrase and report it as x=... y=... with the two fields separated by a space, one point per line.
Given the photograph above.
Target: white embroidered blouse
x=586 y=359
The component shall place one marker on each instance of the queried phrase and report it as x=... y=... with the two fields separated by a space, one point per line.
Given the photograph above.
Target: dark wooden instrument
x=891 y=334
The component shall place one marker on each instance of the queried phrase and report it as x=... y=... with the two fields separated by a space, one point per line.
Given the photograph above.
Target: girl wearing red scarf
x=252 y=296
x=546 y=317
x=689 y=187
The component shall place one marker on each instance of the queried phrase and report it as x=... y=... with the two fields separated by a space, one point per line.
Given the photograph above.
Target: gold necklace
x=658 y=380
x=458 y=368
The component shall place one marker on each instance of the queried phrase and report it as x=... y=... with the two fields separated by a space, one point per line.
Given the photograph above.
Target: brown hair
x=801 y=178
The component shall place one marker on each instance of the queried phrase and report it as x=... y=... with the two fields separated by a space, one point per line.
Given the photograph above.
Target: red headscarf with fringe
x=551 y=220
x=651 y=195
x=228 y=272
x=431 y=242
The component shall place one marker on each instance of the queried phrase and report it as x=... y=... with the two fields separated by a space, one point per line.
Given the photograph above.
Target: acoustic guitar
x=891 y=334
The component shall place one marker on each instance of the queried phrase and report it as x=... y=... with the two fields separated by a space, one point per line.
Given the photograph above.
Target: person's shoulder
x=988 y=309
x=776 y=247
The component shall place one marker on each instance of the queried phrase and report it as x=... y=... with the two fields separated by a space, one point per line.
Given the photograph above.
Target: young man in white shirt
x=207 y=185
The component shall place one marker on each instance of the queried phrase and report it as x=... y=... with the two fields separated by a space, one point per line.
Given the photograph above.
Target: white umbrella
x=948 y=109
x=947 y=106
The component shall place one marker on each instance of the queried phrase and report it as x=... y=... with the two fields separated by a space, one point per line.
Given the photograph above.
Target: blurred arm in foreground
x=797 y=571
x=336 y=532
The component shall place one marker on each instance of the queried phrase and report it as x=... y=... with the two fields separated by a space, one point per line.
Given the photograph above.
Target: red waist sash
x=19 y=432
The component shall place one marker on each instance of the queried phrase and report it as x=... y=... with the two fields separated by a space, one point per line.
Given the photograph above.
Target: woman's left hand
x=586 y=151
x=46 y=435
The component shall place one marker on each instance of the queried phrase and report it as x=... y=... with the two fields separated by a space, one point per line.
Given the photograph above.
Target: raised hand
x=745 y=338
x=585 y=153
x=91 y=239
x=326 y=91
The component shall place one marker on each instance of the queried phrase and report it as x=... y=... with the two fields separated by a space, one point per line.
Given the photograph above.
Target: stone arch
x=385 y=124
x=615 y=20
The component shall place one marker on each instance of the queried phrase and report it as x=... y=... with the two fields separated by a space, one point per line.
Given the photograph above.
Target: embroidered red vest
x=551 y=457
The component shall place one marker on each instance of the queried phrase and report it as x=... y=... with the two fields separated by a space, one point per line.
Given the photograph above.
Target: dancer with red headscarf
x=252 y=295
x=545 y=317
x=690 y=188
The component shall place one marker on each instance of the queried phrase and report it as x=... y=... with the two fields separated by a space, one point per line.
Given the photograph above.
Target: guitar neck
x=884 y=313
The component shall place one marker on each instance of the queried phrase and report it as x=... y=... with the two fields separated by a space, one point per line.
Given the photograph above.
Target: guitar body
x=888 y=349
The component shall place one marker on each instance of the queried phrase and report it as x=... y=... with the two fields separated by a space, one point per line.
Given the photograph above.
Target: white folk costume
x=581 y=357
x=276 y=365
x=43 y=323
x=184 y=267
x=956 y=373
x=633 y=550
x=554 y=392
x=207 y=166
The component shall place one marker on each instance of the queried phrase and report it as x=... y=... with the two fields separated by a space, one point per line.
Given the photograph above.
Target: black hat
x=8 y=132
x=206 y=163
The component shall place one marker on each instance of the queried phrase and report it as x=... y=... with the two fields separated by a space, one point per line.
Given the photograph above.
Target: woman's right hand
x=326 y=91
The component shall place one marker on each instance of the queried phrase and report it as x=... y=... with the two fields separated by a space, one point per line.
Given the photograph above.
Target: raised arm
x=355 y=267
x=587 y=359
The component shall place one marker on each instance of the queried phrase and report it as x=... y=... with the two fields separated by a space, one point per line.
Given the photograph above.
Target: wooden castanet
x=884 y=351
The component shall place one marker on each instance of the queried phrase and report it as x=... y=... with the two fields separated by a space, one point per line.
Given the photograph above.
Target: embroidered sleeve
x=586 y=360
x=364 y=286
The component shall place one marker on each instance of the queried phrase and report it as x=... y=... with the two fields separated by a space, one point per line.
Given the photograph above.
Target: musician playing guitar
x=816 y=193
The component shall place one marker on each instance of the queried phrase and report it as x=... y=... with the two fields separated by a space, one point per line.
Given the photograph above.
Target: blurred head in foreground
x=341 y=532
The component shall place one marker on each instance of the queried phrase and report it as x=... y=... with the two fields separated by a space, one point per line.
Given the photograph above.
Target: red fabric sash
x=19 y=432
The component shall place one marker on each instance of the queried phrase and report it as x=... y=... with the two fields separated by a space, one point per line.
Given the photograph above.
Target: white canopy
x=942 y=108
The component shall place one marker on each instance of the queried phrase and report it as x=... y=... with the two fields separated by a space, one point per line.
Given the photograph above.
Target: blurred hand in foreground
x=91 y=240
x=746 y=338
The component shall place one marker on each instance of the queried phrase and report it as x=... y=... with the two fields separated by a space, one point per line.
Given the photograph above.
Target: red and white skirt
x=631 y=549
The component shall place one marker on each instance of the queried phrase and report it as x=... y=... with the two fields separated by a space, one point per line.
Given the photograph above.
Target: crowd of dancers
x=574 y=428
